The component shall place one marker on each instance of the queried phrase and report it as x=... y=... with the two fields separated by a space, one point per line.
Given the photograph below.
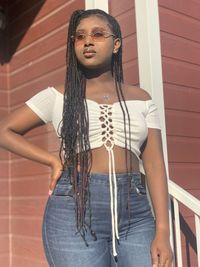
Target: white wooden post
x=149 y=60
x=100 y=4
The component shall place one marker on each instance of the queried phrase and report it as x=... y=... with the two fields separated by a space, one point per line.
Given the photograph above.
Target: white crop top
x=106 y=127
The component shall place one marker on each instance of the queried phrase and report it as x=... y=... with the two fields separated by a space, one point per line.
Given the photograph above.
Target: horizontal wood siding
x=180 y=44
x=38 y=62
x=4 y=158
x=125 y=15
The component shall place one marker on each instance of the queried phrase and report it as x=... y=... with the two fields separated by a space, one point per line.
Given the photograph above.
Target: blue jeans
x=64 y=247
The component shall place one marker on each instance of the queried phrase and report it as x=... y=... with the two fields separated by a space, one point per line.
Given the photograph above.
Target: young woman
x=98 y=213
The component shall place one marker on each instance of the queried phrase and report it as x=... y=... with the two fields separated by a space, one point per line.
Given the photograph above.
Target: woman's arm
x=156 y=178
x=12 y=130
x=157 y=184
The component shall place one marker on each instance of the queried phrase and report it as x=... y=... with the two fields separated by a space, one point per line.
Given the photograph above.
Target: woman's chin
x=91 y=66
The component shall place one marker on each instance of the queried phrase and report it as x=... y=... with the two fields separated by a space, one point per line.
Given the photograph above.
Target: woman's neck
x=95 y=78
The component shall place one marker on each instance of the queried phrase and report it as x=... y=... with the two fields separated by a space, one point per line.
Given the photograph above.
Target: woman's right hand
x=56 y=172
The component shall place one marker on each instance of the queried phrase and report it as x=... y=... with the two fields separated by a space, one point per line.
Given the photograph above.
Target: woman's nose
x=88 y=39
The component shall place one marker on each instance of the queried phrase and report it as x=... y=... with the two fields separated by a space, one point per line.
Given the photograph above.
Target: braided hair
x=74 y=126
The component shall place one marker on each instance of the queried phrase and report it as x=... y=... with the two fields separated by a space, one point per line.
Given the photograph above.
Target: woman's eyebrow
x=98 y=28
x=93 y=29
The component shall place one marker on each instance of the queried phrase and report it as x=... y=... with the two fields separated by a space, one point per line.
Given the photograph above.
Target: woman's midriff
x=100 y=160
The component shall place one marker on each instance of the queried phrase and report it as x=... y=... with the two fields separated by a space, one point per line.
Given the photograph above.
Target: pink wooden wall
x=4 y=178
x=180 y=44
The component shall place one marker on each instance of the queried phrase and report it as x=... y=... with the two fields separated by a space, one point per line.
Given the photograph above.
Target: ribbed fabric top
x=48 y=105
x=106 y=128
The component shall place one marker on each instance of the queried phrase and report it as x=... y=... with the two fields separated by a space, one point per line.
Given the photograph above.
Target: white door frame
x=149 y=57
x=100 y=4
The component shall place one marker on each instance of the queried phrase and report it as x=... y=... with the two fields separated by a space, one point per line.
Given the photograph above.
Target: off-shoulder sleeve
x=152 y=117
x=43 y=104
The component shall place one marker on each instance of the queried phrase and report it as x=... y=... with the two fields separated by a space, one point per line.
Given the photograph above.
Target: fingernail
x=50 y=192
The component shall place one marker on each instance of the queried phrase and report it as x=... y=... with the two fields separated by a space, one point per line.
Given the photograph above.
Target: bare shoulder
x=60 y=88
x=132 y=92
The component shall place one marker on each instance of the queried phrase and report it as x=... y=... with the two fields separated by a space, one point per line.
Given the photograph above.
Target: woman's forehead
x=92 y=22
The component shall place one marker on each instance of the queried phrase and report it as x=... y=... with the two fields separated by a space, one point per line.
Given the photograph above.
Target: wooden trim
x=149 y=56
x=150 y=64
x=91 y=4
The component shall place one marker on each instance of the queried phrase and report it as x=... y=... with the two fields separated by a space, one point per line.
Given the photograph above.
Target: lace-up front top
x=106 y=128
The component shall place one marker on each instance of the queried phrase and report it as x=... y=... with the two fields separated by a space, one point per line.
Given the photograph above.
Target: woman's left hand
x=161 y=252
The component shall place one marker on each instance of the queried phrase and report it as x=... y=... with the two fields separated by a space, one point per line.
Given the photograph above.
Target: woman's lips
x=89 y=53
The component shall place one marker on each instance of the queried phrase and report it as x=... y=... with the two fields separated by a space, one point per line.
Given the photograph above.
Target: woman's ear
x=117 y=44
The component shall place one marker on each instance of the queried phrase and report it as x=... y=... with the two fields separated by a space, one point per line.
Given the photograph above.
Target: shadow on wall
x=15 y=26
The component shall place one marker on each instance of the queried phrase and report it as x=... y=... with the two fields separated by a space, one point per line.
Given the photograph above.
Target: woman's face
x=94 y=43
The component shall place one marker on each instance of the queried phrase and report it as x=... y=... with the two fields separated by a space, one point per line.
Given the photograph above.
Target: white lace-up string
x=108 y=141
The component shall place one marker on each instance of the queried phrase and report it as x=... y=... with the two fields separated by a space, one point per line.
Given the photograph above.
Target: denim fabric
x=64 y=247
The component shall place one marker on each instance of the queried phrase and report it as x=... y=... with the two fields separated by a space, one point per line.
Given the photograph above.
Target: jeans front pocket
x=138 y=185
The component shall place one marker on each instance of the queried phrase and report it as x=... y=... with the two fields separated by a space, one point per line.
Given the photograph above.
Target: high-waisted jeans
x=64 y=247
